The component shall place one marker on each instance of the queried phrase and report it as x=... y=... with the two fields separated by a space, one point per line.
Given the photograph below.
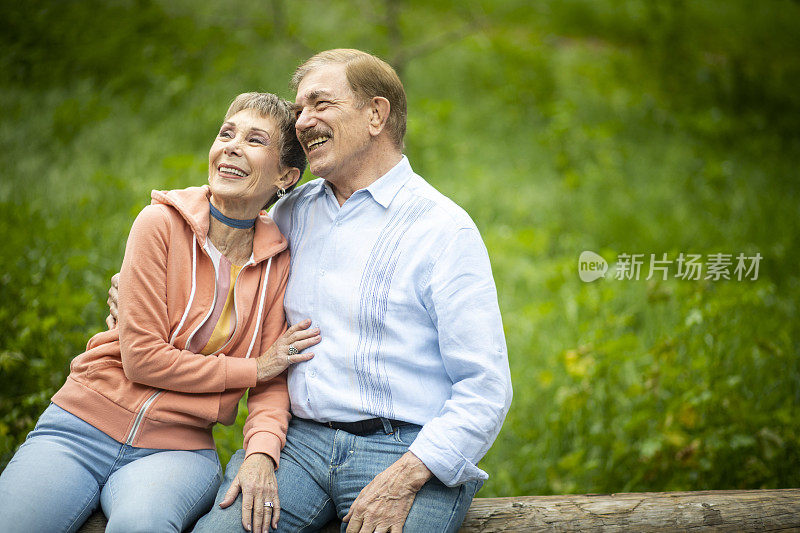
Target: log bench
x=712 y=510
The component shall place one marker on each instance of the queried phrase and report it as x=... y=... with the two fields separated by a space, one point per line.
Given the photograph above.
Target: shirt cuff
x=265 y=442
x=444 y=460
x=240 y=373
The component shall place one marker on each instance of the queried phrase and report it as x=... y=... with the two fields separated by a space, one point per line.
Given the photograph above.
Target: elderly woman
x=201 y=321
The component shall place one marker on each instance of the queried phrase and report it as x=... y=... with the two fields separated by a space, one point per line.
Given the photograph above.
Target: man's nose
x=304 y=121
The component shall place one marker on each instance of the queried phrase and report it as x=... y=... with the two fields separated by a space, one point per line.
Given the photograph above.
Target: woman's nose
x=233 y=147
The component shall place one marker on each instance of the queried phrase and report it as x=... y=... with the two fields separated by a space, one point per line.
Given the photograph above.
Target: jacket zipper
x=143 y=410
x=140 y=415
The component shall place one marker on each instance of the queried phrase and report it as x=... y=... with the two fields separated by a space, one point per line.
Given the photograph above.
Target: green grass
x=617 y=127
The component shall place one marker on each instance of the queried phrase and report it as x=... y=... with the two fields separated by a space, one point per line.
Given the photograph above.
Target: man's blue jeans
x=66 y=467
x=323 y=470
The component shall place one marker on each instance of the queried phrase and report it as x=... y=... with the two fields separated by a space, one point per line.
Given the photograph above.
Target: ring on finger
x=269 y=504
x=293 y=350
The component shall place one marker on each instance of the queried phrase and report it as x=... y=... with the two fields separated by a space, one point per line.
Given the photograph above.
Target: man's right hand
x=113 y=297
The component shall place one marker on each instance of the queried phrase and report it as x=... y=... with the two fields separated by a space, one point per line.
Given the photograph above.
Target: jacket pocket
x=105 y=376
x=192 y=409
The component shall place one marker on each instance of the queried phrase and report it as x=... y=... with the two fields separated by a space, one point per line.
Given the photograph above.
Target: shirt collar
x=385 y=188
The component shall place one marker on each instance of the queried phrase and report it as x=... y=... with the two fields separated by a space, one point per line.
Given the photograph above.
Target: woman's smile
x=230 y=171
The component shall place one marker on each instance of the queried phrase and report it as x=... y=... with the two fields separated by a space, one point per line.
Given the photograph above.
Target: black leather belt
x=364 y=427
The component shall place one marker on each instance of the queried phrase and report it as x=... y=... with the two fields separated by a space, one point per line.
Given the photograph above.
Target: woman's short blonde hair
x=281 y=111
x=368 y=76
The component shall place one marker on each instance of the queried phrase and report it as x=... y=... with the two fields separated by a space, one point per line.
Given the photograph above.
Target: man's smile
x=317 y=142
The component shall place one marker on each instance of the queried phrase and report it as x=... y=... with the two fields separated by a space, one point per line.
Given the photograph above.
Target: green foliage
x=560 y=126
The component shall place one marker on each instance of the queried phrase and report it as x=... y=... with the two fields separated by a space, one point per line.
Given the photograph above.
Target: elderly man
x=410 y=384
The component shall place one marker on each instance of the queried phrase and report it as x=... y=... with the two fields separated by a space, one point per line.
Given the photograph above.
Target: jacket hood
x=193 y=205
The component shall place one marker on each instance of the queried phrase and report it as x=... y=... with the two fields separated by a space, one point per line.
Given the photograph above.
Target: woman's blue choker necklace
x=232 y=222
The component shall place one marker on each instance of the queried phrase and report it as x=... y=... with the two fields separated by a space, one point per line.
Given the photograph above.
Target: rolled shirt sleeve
x=462 y=302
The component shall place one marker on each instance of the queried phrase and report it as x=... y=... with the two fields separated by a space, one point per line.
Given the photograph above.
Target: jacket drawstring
x=260 y=308
x=191 y=294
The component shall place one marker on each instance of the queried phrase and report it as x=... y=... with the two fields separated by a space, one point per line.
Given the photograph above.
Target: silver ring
x=269 y=504
x=293 y=350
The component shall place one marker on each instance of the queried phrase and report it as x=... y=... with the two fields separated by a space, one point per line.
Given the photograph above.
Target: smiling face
x=243 y=164
x=334 y=132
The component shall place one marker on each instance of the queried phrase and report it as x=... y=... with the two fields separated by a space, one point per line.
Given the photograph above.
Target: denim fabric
x=67 y=467
x=323 y=470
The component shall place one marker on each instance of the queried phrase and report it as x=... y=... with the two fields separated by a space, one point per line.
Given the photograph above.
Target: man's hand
x=383 y=505
x=256 y=480
x=113 y=298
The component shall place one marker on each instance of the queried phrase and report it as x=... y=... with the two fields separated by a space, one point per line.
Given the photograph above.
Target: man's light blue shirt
x=399 y=282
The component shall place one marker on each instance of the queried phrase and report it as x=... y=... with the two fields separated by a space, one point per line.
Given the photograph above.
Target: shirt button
x=313 y=373
x=322 y=273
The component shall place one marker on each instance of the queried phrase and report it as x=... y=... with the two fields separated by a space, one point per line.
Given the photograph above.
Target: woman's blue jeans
x=323 y=470
x=66 y=467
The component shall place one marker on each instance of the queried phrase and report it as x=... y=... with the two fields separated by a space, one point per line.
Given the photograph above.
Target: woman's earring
x=281 y=192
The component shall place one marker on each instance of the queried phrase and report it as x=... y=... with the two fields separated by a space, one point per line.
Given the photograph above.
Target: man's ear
x=290 y=177
x=378 y=114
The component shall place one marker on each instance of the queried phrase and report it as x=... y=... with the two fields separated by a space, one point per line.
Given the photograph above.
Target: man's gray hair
x=368 y=76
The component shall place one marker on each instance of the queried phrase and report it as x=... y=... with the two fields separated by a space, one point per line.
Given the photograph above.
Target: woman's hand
x=274 y=361
x=256 y=481
x=278 y=357
x=113 y=298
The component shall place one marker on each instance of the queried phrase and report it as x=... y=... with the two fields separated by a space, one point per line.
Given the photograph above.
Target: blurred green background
x=560 y=126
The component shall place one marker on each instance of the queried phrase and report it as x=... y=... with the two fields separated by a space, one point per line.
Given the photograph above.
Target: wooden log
x=95 y=524
x=723 y=510
x=713 y=510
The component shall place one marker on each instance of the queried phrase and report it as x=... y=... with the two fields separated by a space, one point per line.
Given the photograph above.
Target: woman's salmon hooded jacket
x=138 y=384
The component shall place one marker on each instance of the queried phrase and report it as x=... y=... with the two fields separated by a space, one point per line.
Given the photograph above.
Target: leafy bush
x=617 y=127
